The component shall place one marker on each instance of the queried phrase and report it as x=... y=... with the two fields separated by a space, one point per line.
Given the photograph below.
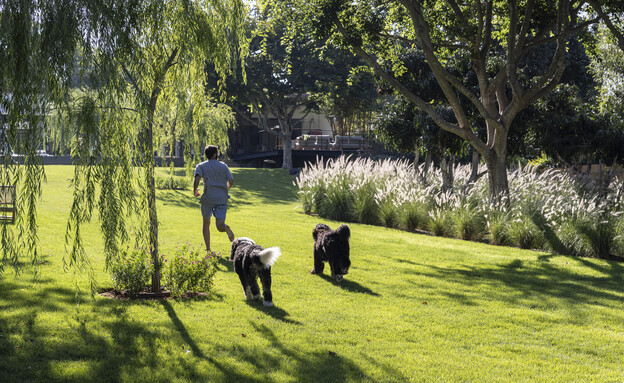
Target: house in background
x=312 y=136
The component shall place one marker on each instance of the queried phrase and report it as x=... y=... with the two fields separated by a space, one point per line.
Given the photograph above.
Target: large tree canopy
x=496 y=36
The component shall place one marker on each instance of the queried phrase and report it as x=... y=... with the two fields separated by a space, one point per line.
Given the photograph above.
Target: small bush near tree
x=189 y=271
x=525 y=234
x=131 y=271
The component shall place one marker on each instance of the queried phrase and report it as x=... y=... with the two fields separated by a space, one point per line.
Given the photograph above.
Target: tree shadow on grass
x=274 y=312
x=179 y=198
x=319 y=365
x=541 y=280
x=177 y=323
x=349 y=285
x=105 y=341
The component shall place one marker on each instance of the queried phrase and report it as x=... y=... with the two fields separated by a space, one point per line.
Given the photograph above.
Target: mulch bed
x=145 y=294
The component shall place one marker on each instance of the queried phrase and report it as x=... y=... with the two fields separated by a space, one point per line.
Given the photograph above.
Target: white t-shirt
x=215 y=175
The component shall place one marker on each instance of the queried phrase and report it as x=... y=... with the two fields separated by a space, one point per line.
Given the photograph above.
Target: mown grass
x=412 y=308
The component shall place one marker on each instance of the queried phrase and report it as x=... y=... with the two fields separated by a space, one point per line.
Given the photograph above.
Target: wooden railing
x=8 y=209
x=325 y=142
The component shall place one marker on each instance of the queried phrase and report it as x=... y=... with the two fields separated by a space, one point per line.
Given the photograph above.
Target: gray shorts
x=217 y=210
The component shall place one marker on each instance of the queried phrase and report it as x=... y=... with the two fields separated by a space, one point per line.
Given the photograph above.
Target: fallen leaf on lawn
x=244 y=335
x=424 y=303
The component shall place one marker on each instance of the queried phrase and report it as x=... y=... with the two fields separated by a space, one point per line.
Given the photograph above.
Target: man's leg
x=220 y=212
x=206 y=232
x=206 y=212
x=222 y=227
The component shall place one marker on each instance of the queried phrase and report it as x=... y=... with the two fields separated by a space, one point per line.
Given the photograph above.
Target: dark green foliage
x=441 y=223
x=336 y=202
x=498 y=226
x=524 y=233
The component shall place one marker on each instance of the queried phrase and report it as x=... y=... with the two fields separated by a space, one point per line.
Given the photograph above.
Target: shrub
x=131 y=271
x=570 y=240
x=171 y=182
x=388 y=214
x=468 y=222
x=525 y=234
x=619 y=238
x=497 y=222
x=306 y=198
x=189 y=271
x=538 y=212
x=365 y=208
x=413 y=215
x=598 y=235
x=441 y=223
x=337 y=202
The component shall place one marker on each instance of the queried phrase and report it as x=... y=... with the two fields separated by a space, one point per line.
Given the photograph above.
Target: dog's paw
x=248 y=294
x=313 y=271
x=267 y=303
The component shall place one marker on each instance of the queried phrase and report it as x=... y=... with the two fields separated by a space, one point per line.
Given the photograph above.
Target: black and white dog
x=331 y=246
x=252 y=261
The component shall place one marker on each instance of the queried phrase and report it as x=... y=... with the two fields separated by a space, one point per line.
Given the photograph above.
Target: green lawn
x=412 y=308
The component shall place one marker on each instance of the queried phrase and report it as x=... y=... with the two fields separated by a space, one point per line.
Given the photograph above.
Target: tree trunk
x=151 y=191
x=447 y=172
x=287 y=162
x=474 y=171
x=497 y=176
x=423 y=175
x=416 y=157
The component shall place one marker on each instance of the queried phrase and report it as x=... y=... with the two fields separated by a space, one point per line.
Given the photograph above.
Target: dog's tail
x=344 y=231
x=269 y=256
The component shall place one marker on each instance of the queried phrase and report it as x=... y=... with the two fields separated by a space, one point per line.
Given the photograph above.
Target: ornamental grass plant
x=548 y=209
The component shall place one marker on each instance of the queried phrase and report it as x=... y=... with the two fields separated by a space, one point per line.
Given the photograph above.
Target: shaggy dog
x=252 y=261
x=331 y=246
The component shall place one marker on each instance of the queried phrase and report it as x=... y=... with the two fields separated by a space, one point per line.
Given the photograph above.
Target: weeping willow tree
x=178 y=120
x=134 y=55
x=37 y=44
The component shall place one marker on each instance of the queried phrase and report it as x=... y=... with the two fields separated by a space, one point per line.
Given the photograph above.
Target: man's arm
x=230 y=183
x=196 y=185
